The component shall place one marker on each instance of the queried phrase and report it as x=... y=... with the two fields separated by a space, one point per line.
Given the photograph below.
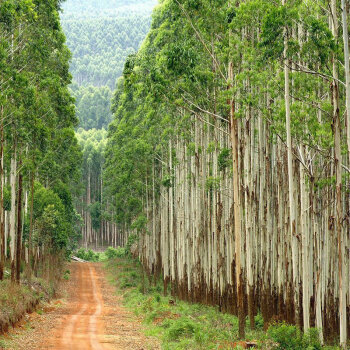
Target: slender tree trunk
x=347 y=70
x=2 y=209
x=13 y=182
x=19 y=226
x=30 y=248
x=338 y=173
x=305 y=245
x=237 y=211
x=291 y=188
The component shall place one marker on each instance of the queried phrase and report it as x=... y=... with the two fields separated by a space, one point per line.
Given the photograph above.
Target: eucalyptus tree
x=37 y=136
x=266 y=78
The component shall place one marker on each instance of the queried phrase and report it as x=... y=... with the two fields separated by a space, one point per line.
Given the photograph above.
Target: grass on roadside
x=182 y=325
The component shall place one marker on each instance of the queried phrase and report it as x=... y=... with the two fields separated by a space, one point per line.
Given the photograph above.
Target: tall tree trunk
x=13 y=183
x=338 y=173
x=237 y=211
x=291 y=187
x=30 y=248
x=19 y=225
x=347 y=70
x=2 y=209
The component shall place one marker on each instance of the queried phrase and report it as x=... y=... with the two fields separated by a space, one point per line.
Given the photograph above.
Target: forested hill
x=74 y=9
x=101 y=34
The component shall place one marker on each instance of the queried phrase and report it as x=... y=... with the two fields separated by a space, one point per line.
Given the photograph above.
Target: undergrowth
x=182 y=325
x=16 y=300
x=90 y=255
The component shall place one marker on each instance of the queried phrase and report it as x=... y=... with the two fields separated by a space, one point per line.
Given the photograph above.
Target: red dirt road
x=83 y=326
x=91 y=317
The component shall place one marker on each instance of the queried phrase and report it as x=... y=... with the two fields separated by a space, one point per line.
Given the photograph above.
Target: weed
x=66 y=275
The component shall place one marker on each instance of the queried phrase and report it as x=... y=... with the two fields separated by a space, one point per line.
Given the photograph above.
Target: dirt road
x=83 y=327
x=91 y=317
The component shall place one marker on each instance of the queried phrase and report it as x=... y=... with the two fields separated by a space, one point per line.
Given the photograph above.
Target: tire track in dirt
x=83 y=326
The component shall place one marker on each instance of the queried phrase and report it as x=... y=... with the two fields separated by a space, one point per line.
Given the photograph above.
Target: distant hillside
x=101 y=34
x=101 y=46
x=96 y=8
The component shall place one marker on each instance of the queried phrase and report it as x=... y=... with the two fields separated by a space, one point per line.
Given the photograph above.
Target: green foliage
x=7 y=198
x=225 y=158
x=212 y=183
x=180 y=328
x=259 y=321
x=100 y=45
x=112 y=253
x=139 y=223
x=178 y=325
x=53 y=218
x=88 y=255
x=93 y=106
x=66 y=275
x=167 y=181
x=95 y=212
x=131 y=240
x=290 y=337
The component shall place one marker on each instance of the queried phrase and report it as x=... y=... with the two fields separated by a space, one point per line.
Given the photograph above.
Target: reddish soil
x=91 y=318
x=82 y=327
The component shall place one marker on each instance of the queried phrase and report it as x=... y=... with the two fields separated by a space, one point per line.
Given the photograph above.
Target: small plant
x=259 y=321
x=290 y=337
x=3 y=344
x=224 y=159
x=181 y=328
x=66 y=275
x=112 y=253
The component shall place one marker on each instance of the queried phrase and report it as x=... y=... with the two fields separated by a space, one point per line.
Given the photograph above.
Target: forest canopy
x=101 y=34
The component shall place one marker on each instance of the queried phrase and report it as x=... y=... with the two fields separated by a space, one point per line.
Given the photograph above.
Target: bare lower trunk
x=2 y=209
x=13 y=178
x=30 y=248
x=19 y=227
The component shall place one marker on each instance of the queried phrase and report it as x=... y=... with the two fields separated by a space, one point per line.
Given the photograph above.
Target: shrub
x=259 y=321
x=181 y=328
x=112 y=253
x=290 y=337
x=131 y=240
x=88 y=255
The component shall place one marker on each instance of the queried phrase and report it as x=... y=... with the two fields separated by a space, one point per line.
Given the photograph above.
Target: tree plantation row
x=99 y=229
x=228 y=157
x=39 y=153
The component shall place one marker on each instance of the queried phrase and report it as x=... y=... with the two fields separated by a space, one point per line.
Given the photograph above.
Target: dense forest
x=39 y=154
x=225 y=168
x=93 y=106
x=101 y=35
x=98 y=229
x=229 y=154
x=93 y=8
x=100 y=46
